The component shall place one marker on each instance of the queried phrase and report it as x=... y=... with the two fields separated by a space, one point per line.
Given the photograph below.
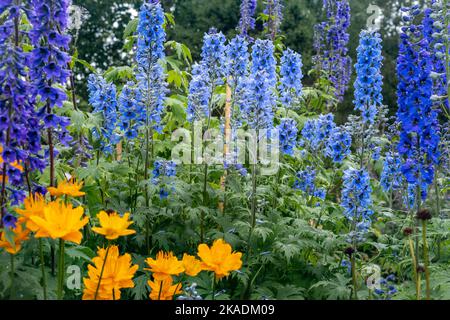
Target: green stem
x=12 y=291
x=426 y=259
x=354 y=280
x=44 y=276
x=214 y=286
x=101 y=273
x=202 y=214
x=414 y=265
x=60 y=270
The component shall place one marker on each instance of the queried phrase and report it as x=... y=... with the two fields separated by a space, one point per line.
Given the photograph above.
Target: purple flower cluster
x=247 y=21
x=130 y=109
x=19 y=123
x=419 y=135
x=49 y=60
x=274 y=12
x=331 y=45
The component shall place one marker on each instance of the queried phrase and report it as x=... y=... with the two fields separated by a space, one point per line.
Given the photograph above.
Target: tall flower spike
x=419 y=133
x=291 y=78
x=199 y=94
x=274 y=12
x=331 y=45
x=130 y=118
x=150 y=74
x=49 y=60
x=102 y=96
x=391 y=176
x=369 y=81
x=20 y=141
x=247 y=21
x=356 y=201
x=214 y=56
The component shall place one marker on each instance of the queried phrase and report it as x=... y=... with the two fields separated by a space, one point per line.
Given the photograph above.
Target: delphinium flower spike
x=274 y=13
x=49 y=67
x=247 y=20
x=20 y=142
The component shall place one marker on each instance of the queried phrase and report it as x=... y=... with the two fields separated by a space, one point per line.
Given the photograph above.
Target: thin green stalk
x=12 y=292
x=354 y=279
x=60 y=270
x=202 y=214
x=426 y=259
x=44 y=276
x=438 y=211
x=214 y=286
x=101 y=273
x=414 y=264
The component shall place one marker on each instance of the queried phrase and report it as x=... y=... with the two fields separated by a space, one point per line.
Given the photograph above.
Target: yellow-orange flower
x=219 y=258
x=33 y=207
x=67 y=188
x=165 y=265
x=113 y=225
x=192 y=266
x=118 y=274
x=20 y=234
x=164 y=290
x=60 y=221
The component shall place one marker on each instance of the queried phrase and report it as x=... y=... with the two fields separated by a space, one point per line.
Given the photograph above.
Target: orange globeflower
x=192 y=266
x=67 y=188
x=164 y=290
x=113 y=225
x=118 y=273
x=33 y=206
x=20 y=234
x=61 y=221
x=219 y=258
x=165 y=265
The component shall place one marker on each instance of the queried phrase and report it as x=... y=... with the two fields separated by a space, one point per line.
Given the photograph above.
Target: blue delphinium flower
x=369 y=81
x=263 y=59
x=290 y=78
x=356 y=201
x=419 y=134
x=237 y=60
x=331 y=45
x=387 y=288
x=151 y=78
x=274 y=12
x=102 y=96
x=306 y=182
x=258 y=103
x=433 y=25
x=338 y=144
x=129 y=108
x=288 y=135
x=199 y=94
x=317 y=131
x=391 y=176
x=20 y=127
x=214 y=56
x=163 y=173
x=247 y=20
x=9 y=221
x=49 y=60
